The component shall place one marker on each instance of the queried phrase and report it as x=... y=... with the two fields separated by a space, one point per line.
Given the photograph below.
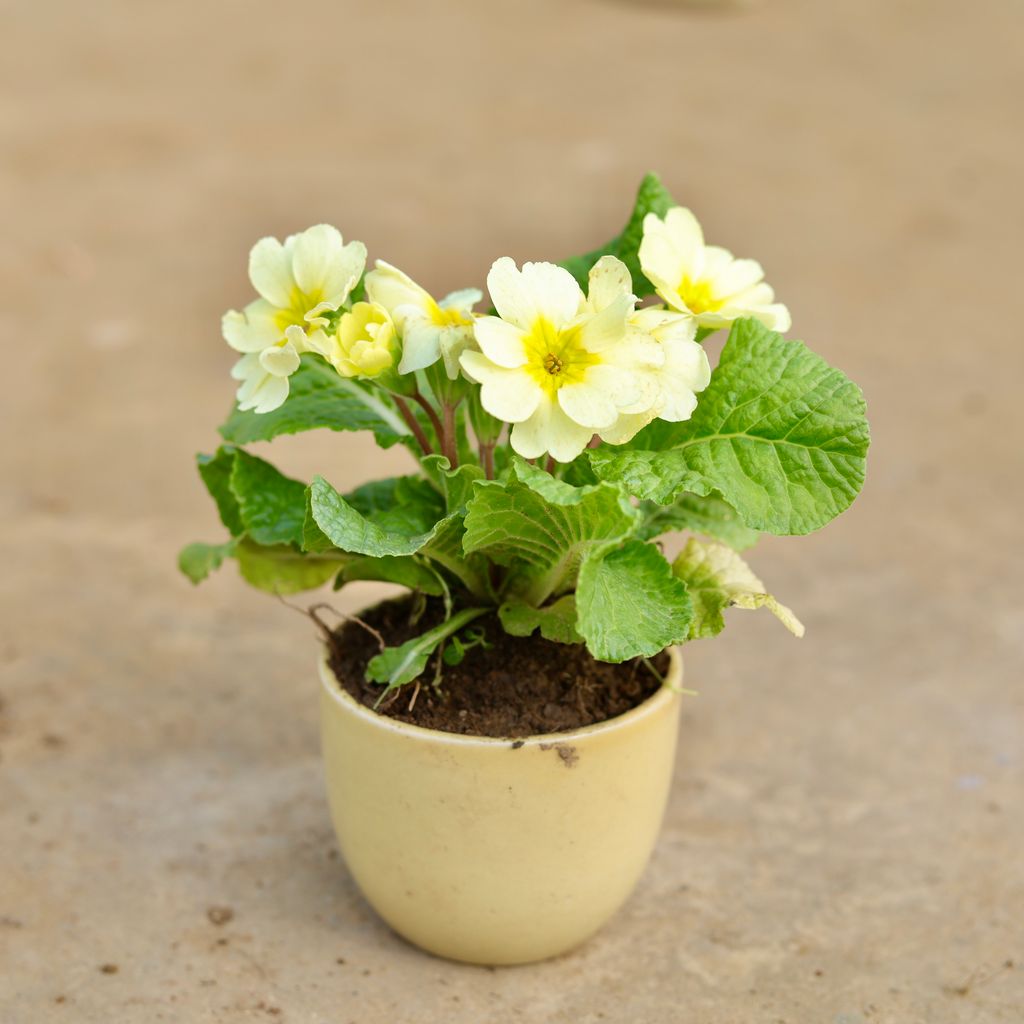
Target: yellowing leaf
x=718 y=578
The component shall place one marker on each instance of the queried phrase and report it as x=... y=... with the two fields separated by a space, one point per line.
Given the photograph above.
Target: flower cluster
x=558 y=429
x=564 y=368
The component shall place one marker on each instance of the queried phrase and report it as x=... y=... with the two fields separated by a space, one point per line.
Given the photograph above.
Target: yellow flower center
x=448 y=317
x=299 y=304
x=555 y=357
x=697 y=296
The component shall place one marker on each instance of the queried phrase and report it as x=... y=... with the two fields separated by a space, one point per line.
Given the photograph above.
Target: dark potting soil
x=510 y=687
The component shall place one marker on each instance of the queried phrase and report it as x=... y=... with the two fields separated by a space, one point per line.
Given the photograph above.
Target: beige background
x=844 y=840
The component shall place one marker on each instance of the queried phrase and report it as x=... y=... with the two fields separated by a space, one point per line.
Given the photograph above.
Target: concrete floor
x=844 y=841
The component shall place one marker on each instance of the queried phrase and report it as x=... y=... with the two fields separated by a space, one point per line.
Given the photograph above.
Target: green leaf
x=629 y=604
x=455 y=484
x=319 y=397
x=543 y=537
x=198 y=560
x=652 y=197
x=718 y=578
x=280 y=569
x=408 y=504
x=557 y=621
x=780 y=434
x=397 y=666
x=403 y=570
x=215 y=471
x=710 y=515
x=272 y=506
x=331 y=520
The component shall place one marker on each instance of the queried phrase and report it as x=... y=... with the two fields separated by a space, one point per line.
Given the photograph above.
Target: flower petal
x=626 y=427
x=503 y=343
x=775 y=317
x=247 y=367
x=609 y=280
x=587 y=404
x=280 y=360
x=509 y=294
x=686 y=364
x=736 y=277
x=253 y=329
x=539 y=289
x=607 y=329
x=629 y=390
x=421 y=346
x=555 y=291
x=313 y=253
x=393 y=288
x=549 y=431
x=687 y=236
x=660 y=258
x=463 y=300
x=270 y=270
x=510 y=395
x=343 y=274
x=269 y=395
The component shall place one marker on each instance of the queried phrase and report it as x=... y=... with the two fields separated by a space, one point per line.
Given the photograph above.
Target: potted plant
x=499 y=743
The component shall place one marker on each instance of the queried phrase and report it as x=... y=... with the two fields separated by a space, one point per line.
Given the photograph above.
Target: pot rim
x=667 y=692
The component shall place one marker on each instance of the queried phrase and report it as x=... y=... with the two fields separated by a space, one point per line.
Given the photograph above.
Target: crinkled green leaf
x=198 y=560
x=543 y=537
x=651 y=197
x=710 y=515
x=272 y=506
x=629 y=604
x=331 y=520
x=215 y=471
x=319 y=397
x=557 y=621
x=280 y=569
x=778 y=432
x=455 y=484
x=407 y=504
x=718 y=578
x=403 y=570
x=397 y=666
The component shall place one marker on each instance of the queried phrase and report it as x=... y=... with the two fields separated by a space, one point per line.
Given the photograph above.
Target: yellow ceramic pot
x=495 y=851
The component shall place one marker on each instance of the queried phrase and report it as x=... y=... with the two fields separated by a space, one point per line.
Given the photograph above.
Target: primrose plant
x=556 y=437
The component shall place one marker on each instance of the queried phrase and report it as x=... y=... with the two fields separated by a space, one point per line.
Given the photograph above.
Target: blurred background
x=843 y=841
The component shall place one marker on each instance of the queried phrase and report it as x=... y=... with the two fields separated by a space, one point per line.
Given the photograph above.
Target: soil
x=508 y=687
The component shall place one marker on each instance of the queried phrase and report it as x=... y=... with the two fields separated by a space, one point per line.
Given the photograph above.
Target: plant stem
x=431 y=412
x=449 y=445
x=594 y=442
x=549 y=466
x=414 y=424
x=487 y=459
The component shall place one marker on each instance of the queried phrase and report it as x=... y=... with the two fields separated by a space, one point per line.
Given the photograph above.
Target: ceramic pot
x=497 y=851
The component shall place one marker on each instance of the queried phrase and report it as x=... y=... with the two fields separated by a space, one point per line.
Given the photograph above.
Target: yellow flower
x=555 y=367
x=365 y=343
x=430 y=330
x=684 y=369
x=299 y=280
x=705 y=281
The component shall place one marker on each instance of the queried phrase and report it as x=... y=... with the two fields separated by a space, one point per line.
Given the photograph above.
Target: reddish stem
x=414 y=424
x=431 y=412
x=449 y=446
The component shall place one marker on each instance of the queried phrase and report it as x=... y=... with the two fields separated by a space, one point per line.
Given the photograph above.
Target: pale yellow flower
x=430 y=330
x=365 y=343
x=705 y=281
x=678 y=377
x=553 y=366
x=298 y=281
